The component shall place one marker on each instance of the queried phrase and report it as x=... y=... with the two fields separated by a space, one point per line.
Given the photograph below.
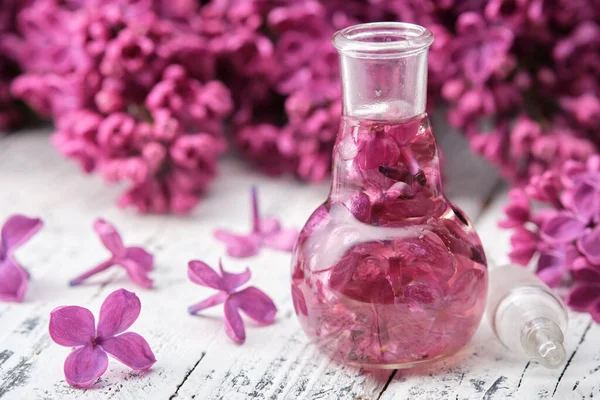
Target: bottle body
x=387 y=273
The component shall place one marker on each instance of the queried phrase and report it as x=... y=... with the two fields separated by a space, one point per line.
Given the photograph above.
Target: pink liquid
x=387 y=272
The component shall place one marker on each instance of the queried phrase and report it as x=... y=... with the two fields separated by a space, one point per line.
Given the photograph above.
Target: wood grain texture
x=196 y=360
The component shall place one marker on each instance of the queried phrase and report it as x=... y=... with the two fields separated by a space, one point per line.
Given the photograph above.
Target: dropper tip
x=552 y=354
x=543 y=339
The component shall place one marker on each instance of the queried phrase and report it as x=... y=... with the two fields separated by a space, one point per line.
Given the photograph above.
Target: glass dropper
x=526 y=315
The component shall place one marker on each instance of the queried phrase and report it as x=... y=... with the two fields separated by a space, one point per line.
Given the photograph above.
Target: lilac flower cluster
x=284 y=76
x=139 y=89
x=132 y=91
x=566 y=237
x=521 y=77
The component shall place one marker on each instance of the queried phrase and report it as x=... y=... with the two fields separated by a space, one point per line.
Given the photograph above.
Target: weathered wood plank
x=195 y=358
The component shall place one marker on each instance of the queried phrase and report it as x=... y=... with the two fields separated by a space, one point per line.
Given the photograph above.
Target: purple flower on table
x=13 y=278
x=136 y=261
x=266 y=232
x=74 y=326
x=252 y=301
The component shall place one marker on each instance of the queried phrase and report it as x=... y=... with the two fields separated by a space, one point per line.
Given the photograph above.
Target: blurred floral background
x=152 y=92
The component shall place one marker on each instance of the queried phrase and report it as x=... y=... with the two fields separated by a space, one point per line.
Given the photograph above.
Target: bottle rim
x=382 y=40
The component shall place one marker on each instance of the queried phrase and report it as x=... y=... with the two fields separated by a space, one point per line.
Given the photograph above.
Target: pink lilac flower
x=565 y=237
x=132 y=91
x=252 y=301
x=74 y=326
x=585 y=296
x=579 y=224
x=136 y=261
x=16 y=230
x=266 y=232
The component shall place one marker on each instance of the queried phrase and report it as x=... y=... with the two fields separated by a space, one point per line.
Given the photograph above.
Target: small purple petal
x=212 y=301
x=131 y=349
x=282 y=240
x=200 y=273
x=137 y=273
x=13 y=281
x=269 y=225
x=72 y=326
x=256 y=304
x=16 y=231
x=141 y=257
x=85 y=365
x=234 y=326
x=118 y=312
x=581 y=297
x=234 y=281
x=563 y=227
x=238 y=245
x=586 y=200
x=589 y=245
x=109 y=236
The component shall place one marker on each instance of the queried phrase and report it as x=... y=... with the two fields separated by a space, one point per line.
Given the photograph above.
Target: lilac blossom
x=565 y=235
x=136 y=261
x=252 y=301
x=266 y=232
x=133 y=93
x=74 y=326
x=17 y=230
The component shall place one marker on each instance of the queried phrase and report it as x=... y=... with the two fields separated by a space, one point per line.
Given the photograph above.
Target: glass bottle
x=387 y=273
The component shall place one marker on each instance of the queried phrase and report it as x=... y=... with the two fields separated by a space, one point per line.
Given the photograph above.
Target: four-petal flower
x=252 y=301
x=265 y=232
x=74 y=326
x=13 y=278
x=136 y=261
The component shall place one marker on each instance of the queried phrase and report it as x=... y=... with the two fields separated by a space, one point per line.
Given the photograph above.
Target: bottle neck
x=389 y=89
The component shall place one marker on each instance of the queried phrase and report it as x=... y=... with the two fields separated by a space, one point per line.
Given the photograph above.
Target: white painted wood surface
x=196 y=360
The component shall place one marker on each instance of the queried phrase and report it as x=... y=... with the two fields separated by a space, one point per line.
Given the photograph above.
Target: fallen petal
x=131 y=349
x=200 y=273
x=17 y=230
x=109 y=236
x=269 y=225
x=238 y=245
x=13 y=281
x=137 y=273
x=256 y=304
x=140 y=257
x=282 y=240
x=234 y=326
x=212 y=301
x=72 y=326
x=85 y=365
x=118 y=312
x=233 y=281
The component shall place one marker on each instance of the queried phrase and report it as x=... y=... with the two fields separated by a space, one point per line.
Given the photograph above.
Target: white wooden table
x=196 y=360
